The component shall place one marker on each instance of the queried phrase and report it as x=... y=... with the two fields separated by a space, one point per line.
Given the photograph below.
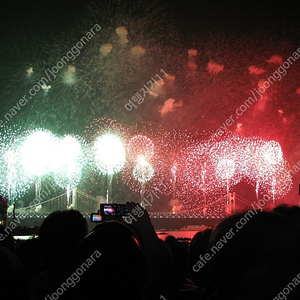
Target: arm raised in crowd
x=162 y=279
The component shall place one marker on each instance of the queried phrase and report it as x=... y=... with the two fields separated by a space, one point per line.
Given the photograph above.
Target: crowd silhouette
x=117 y=260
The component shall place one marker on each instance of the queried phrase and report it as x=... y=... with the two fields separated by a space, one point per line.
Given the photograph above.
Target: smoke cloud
x=122 y=33
x=138 y=51
x=275 y=59
x=214 y=67
x=192 y=53
x=169 y=106
x=254 y=70
x=105 y=49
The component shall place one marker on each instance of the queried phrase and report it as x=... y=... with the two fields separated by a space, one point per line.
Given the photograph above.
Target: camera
x=110 y=212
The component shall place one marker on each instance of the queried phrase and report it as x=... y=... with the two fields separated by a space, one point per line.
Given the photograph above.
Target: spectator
x=121 y=270
x=7 y=240
x=131 y=266
x=180 y=258
x=30 y=255
x=59 y=236
x=292 y=212
x=12 y=276
x=259 y=260
x=200 y=276
x=162 y=279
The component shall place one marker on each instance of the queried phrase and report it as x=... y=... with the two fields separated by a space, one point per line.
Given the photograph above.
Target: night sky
x=191 y=16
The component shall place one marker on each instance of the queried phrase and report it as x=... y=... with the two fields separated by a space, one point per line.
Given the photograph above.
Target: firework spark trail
x=207 y=169
x=14 y=182
x=272 y=169
x=144 y=145
x=172 y=146
x=140 y=145
x=143 y=171
x=140 y=151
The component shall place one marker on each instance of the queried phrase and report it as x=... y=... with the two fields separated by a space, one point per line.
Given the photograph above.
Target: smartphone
x=116 y=210
x=96 y=217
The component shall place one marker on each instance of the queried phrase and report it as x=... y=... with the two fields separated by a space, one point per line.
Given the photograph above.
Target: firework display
x=140 y=145
x=109 y=154
x=70 y=161
x=144 y=147
x=270 y=170
x=140 y=150
x=36 y=152
x=143 y=171
x=197 y=171
x=100 y=160
x=206 y=170
x=105 y=125
x=106 y=136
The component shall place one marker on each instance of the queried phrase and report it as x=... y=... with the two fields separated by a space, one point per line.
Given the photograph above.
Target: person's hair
x=59 y=234
x=180 y=256
x=259 y=260
x=292 y=212
x=198 y=246
x=12 y=276
x=120 y=270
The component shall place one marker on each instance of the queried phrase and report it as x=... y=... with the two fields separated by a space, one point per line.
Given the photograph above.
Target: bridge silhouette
x=87 y=204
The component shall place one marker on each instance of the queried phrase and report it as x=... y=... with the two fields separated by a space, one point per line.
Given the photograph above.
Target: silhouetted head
x=180 y=256
x=198 y=246
x=292 y=212
x=260 y=258
x=59 y=235
x=119 y=267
